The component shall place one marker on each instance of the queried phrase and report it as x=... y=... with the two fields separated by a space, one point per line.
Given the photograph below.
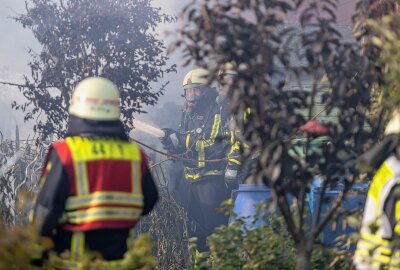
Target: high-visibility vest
x=105 y=182
x=378 y=247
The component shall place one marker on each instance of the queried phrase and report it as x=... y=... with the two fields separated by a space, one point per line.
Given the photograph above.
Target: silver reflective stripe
x=81 y=178
x=231 y=173
x=136 y=178
x=103 y=198
x=78 y=244
x=103 y=213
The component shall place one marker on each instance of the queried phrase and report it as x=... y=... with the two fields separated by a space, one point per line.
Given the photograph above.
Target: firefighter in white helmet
x=96 y=184
x=236 y=170
x=378 y=247
x=199 y=139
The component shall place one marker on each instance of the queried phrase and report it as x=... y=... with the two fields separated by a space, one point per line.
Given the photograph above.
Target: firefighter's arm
x=234 y=163
x=172 y=141
x=391 y=206
x=49 y=205
x=149 y=189
x=54 y=190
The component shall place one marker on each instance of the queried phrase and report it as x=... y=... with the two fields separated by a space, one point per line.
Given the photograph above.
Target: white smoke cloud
x=14 y=60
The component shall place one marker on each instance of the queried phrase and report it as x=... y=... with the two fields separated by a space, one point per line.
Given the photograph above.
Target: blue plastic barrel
x=245 y=200
x=355 y=199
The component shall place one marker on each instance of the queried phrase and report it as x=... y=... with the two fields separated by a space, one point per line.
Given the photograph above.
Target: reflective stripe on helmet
x=95 y=98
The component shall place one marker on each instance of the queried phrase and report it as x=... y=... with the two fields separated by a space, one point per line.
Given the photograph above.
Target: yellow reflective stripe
x=368 y=245
x=195 y=176
x=215 y=127
x=192 y=176
x=376 y=259
x=48 y=167
x=81 y=178
x=96 y=198
x=188 y=141
x=397 y=217
x=103 y=213
x=77 y=245
x=235 y=161
x=232 y=135
x=381 y=258
x=383 y=174
x=202 y=155
x=214 y=131
x=58 y=263
x=245 y=113
x=376 y=251
x=375 y=240
x=234 y=147
x=85 y=149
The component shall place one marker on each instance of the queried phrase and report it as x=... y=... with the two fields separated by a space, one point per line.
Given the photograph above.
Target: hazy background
x=14 y=58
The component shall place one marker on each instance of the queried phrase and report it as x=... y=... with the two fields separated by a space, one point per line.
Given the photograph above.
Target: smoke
x=14 y=60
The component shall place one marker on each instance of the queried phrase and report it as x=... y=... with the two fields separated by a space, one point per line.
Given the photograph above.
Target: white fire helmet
x=96 y=98
x=229 y=69
x=196 y=76
x=194 y=84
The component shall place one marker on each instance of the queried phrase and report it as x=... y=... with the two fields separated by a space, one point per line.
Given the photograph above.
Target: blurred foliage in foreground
x=385 y=35
x=17 y=245
x=266 y=247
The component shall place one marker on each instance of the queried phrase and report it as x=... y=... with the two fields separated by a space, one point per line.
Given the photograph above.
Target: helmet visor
x=193 y=92
x=228 y=79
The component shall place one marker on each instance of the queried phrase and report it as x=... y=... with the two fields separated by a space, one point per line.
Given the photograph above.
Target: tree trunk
x=303 y=259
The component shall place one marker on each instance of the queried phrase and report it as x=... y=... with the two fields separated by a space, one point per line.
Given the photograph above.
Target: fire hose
x=159 y=133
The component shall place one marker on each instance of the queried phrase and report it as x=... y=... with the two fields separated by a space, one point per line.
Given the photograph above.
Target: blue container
x=355 y=199
x=245 y=200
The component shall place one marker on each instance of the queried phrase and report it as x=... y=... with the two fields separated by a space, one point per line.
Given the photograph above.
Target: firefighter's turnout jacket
x=379 y=246
x=94 y=188
x=203 y=137
x=234 y=162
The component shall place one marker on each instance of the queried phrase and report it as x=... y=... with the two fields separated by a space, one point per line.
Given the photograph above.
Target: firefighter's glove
x=231 y=178
x=170 y=140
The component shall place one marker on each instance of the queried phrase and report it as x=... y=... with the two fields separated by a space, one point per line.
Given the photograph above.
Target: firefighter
x=96 y=184
x=226 y=77
x=235 y=171
x=198 y=139
x=378 y=247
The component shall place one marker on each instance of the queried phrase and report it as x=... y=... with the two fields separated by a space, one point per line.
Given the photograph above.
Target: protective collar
x=94 y=128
